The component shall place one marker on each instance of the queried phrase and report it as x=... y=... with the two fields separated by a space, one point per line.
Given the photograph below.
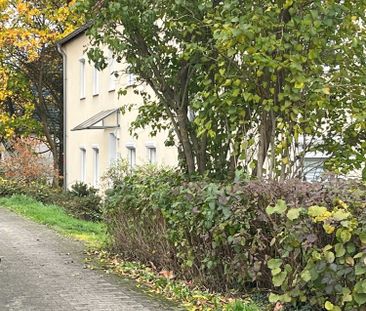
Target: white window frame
x=151 y=152
x=96 y=164
x=82 y=78
x=96 y=81
x=131 y=79
x=313 y=168
x=131 y=157
x=113 y=155
x=151 y=155
x=82 y=164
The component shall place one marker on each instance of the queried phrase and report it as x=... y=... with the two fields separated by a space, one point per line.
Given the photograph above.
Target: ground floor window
x=131 y=157
x=151 y=155
x=313 y=168
x=96 y=167
x=82 y=164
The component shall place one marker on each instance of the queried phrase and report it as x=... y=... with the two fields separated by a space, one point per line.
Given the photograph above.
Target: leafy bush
x=226 y=235
x=134 y=212
x=82 y=201
x=24 y=164
x=321 y=257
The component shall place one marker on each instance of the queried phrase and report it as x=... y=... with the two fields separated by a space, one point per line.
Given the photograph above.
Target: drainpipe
x=64 y=59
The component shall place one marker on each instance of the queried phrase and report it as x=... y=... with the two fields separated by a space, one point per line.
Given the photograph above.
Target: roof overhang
x=75 y=33
x=99 y=121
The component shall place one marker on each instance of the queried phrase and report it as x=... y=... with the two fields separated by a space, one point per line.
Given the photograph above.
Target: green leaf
x=329 y=256
x=328 y=305
x=315 y=210
x=274 y=263
x=362 y=237
x=360 y=298
x=344 y=235
x=293 y=213
x=339 y=250
x=360 y=269
x=276 y=271
x=279 y=208
x=273 y=298
x=306 y=275
x=279 y=279
x=299 y=85
x=340 y=215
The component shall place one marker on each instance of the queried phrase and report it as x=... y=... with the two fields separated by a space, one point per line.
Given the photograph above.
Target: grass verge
x=94 y=234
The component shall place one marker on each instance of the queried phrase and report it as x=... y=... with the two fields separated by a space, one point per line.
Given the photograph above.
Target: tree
x=244 y=84
x=29 y=30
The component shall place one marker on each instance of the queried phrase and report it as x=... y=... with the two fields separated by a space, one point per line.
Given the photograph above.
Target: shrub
x=224 y=235
x=23 y=163
x=81 y=201
x=133 y=210
x=321 y=257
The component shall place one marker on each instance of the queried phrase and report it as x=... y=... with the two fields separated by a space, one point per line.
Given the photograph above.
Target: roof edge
x=71 y=36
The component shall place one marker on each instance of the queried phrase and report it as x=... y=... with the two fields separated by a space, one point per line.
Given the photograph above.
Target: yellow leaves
x=22 y=7
x=329 y=229
x=326 y=90
x=37 y=24
x=3 y=4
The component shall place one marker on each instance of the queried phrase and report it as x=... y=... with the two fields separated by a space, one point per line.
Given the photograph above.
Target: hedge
x=304 y=242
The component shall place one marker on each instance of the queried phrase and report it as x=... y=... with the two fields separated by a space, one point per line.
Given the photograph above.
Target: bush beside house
x=305 y=242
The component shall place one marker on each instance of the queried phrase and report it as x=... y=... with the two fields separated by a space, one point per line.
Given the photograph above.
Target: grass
x=94 y=234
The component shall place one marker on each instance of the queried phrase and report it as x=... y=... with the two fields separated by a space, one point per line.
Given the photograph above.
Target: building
x=96 y=133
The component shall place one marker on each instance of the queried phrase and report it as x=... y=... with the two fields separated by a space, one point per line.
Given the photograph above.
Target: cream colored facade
x=88 y=92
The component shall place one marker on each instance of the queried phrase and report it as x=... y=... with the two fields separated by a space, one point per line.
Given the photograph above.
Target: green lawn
x=94 y=234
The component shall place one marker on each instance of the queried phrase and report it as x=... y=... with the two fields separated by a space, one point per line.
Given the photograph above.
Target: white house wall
x=78 y=110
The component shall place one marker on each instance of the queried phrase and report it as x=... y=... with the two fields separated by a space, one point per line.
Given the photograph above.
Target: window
x=151 y=155
x=82 y=164
x=112 y=148
x=82 y=78
x=96 y=167
x=112 y=73
x=131 y=157
x=313 y=168
x=131 y=79
x=95 y=81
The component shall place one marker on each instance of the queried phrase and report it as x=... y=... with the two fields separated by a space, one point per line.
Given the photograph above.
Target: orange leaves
x=25 y=164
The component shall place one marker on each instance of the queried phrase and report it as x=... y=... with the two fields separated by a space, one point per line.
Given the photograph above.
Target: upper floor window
x=82 y=78
x=95 y=81
x=131 y=79
x=112 y=72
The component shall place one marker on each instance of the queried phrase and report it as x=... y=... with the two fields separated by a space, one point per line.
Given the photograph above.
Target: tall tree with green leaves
x=249 y=85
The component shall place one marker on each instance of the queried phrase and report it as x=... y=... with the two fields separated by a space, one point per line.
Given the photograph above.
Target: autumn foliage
x=24 y=163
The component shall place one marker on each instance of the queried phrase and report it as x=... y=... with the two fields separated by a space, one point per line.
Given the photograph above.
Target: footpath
x=43 y=271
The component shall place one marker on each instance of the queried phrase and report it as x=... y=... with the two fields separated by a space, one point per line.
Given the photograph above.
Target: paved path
x=42 y=271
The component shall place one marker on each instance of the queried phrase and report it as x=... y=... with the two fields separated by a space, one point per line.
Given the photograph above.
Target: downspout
x=64 y=60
